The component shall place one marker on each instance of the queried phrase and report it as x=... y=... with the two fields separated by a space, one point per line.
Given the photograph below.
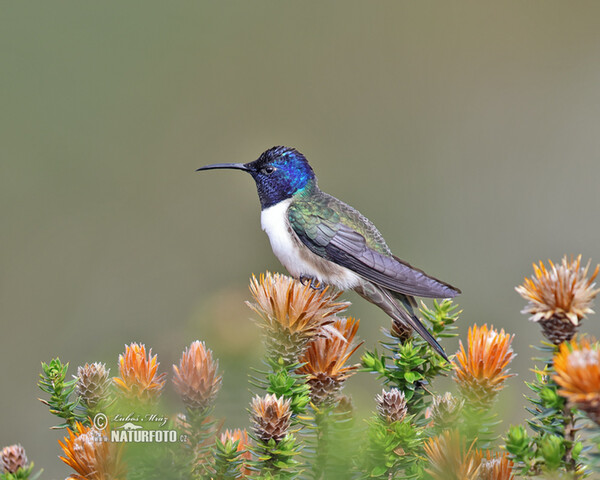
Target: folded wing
x=344 y=246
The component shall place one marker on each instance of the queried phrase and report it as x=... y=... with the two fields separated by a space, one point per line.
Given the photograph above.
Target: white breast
x=297 y=258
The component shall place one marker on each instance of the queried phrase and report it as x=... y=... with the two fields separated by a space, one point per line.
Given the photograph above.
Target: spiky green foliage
x=394 y=450
x=228 y=460
x=274 y=460
x=53 y=381
x=23 y=473
x=284 y=382
x=412 y=364
x=554 y=446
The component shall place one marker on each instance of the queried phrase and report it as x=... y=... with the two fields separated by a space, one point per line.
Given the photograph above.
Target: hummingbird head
x=279 y=173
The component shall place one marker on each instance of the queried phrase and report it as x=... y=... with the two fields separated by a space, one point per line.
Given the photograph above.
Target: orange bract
x=88 y=452
x=450 y=458
x=196 y=379
x=291 y=313
x=559 y=297
x=139 y=379
x=495 y=466
x=325 y=360
x=577 y=366
x=481 y=370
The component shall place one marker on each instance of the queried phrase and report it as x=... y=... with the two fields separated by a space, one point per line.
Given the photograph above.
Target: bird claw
x=314 y=283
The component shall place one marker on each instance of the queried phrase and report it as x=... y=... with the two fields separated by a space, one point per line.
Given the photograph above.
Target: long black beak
x=235 y=166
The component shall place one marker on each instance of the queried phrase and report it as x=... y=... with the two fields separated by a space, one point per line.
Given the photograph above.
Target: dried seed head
x=481 y=371
x=291 y=314
x=138 y=379
x=445 y=410
x=12 y=458
x=93 y=384
x=391 y=405
x=577 y=366
x=271 y=417
x=93 y=458
x=559 y=297
x=196 y=379
x=450 y=458
x=324 y=362
x=401 y=331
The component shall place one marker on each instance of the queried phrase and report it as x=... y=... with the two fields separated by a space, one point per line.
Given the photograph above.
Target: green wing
x=339 y=233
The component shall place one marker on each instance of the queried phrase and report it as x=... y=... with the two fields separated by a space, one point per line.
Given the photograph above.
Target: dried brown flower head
x=93 y=384
x=324 y=362
x=495 y=466
x=12 y=458
x=559 y=297
x=240 y=436
x=450 y=458
x=196 y=379
x=391 y=405
x=271 y=417
x=445 y=410
x=481 y=371
x=401 y=331
x=138 y=379
x=344 y=408
x=90 y=456
x=291 y=313
x=577 y=366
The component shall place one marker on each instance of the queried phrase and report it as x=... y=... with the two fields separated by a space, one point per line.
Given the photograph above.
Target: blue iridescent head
x=279 y=173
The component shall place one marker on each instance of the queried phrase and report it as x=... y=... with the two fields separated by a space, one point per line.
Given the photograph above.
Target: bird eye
x=268 y=170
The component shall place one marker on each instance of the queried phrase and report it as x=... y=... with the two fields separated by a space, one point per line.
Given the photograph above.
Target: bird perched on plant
x=320 y=239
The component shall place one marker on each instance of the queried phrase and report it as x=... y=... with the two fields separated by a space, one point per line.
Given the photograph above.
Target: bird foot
x=314 y=283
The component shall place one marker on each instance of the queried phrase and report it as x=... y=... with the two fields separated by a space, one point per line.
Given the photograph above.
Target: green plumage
x=319 y=216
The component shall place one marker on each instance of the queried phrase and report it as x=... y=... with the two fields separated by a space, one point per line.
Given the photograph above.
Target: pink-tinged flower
x=12 y=458
x=196 y=379
x=271 y=417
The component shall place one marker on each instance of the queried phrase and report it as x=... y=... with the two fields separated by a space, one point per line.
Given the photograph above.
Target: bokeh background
x=467 y=131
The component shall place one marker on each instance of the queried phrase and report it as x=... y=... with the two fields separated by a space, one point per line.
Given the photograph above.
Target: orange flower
x=138 y=380
x=559 y=297
x=91 y=456
x=291 y=313
x=482 y=371
x=240 y=436
x=450 y=458
x=325 y=361
x=271 y=417
x=495 y=466
x=196 y=379
x=577 y=366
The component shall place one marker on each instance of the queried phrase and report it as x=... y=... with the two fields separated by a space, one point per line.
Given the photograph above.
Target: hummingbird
x=322 y=240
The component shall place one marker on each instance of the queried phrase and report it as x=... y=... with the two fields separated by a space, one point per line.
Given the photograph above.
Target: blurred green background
x=467 y=131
